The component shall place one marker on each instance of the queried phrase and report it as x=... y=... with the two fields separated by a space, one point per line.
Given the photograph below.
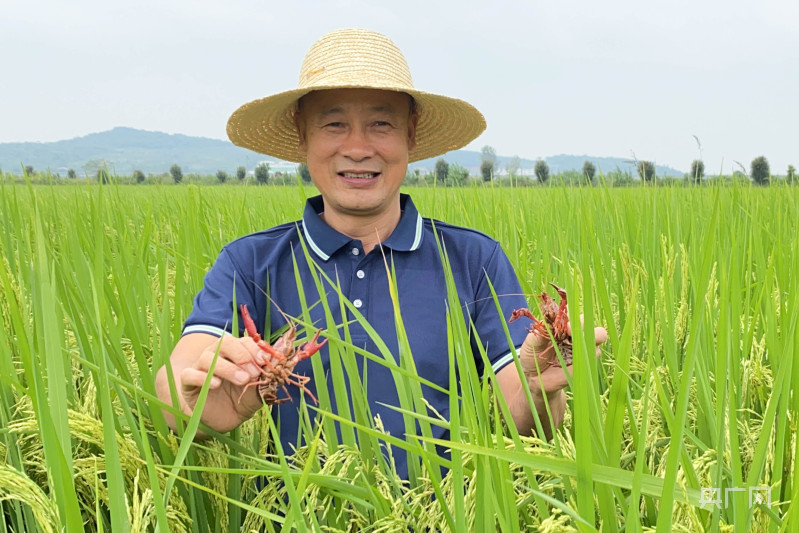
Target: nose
x=357 y=145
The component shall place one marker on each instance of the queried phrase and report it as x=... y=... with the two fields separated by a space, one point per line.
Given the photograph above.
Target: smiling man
x=357 y=121
x=356 y=143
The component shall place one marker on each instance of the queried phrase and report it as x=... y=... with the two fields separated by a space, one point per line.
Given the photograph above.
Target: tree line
x=454 y=174
x=446 y=174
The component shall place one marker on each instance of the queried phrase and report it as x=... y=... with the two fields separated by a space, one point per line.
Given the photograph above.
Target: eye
x=334 y=125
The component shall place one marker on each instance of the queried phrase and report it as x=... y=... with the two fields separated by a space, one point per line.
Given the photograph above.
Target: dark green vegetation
x=441 y=171
x=588 y=171
x=697 y=170
x=760 y=172
x=697 y=387
x=262 y=173
x=176 y=172
x=646 y=170
x=541 y=170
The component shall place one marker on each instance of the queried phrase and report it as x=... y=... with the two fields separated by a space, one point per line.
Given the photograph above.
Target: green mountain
x=124 y=150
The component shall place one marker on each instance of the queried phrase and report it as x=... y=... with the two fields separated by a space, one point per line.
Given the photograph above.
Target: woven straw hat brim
x=267 y=126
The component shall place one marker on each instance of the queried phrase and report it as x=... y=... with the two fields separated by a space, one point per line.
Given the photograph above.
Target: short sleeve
x=213 y=305
x=487 y=322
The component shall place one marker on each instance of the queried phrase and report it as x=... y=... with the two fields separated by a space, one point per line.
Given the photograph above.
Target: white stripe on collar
x=417 y=240
x=202 y=328
x=313 y=245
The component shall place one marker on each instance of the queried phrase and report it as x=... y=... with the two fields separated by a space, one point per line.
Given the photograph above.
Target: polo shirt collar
x=325 y=241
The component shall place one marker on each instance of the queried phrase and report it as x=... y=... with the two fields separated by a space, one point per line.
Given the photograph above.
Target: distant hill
x=126 y=149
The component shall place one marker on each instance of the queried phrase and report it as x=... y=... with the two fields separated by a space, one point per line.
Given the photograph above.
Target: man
x=357 y=121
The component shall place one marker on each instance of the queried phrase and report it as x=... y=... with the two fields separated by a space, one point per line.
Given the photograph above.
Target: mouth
x=359 y=175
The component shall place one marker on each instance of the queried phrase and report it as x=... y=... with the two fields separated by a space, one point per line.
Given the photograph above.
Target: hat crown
x=355 y=58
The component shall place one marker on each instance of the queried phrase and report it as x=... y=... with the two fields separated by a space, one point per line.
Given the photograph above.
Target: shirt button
x=360 y=274
x=355 y=251
x=358 y=303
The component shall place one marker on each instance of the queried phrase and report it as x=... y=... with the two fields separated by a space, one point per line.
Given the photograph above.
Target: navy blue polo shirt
x=268 y=261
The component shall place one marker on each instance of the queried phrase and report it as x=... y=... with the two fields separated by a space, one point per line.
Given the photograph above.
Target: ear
x=299 y=123
x=412 y=121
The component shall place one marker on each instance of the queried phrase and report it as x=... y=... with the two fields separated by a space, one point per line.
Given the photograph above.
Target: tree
x=760 y=170
x=241 y=173
x=487 y=170
x=138 y=176
x=791 y=175
x=93 y=166
x=442 y=169
x=103 y=176
x=588 y=171
x=541 y=170
x=176 y=172
x=489 y=154
x=697 y=171
x=262 y=172
x=488 y=162
x=29 y=170
x=221 y=175
x=305 y=173
x=71 y=174
x=514 y=165
x=457 y=175
x=646 y=170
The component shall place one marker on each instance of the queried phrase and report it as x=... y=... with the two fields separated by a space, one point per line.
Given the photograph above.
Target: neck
x=370 y=230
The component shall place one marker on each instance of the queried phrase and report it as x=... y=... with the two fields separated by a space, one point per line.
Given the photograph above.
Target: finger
x=193 y=378
x=240 y=350
x=600 y=335
x=233 y=364
x=255 y=351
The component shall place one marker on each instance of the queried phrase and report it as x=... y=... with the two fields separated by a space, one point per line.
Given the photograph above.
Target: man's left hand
x=534 y=355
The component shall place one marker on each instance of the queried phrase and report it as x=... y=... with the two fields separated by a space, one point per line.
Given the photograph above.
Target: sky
x=621 y=78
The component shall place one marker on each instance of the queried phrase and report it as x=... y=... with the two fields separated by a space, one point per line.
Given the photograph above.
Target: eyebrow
x=330 y=111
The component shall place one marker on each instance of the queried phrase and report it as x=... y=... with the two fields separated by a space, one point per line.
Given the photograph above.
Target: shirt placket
x=359 y=286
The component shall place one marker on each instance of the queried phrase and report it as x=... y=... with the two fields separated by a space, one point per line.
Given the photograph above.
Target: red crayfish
x=556 y=316
x=280 y=370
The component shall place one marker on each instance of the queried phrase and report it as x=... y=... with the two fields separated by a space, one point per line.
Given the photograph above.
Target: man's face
x=356 y=142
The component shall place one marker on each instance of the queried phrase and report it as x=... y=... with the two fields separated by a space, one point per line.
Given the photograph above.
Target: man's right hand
x=230 y=401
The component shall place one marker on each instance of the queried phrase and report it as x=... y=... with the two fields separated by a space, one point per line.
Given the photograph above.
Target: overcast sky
x=612 y=78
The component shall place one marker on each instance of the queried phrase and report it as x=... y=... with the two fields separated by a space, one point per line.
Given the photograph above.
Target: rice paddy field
x=687 y=421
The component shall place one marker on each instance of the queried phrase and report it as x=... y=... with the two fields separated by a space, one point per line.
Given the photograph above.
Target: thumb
x=535 y=344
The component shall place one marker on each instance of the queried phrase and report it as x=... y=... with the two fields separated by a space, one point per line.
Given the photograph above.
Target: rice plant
x=687 y=422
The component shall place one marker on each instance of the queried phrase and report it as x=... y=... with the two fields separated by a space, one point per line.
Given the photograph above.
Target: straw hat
x=354 y=58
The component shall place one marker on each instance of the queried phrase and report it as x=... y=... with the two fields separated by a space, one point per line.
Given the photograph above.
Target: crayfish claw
x=249 y=324
x=524 y=312
x=561 y=292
